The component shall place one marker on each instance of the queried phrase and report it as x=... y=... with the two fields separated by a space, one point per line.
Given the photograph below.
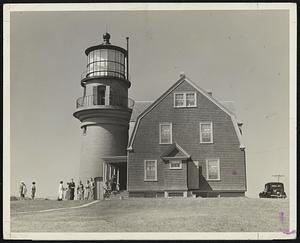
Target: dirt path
x=58 y=209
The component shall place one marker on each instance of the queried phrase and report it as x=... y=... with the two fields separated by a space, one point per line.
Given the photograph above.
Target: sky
x=242 y=56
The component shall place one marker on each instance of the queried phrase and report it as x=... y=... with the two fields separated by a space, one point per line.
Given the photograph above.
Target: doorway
x=123 y=176
x=99 y=94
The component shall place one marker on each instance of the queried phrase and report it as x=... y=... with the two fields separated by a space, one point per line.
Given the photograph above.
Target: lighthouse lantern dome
x=106 y=60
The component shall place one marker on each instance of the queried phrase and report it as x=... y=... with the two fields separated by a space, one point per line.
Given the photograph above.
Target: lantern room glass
x=106 y=62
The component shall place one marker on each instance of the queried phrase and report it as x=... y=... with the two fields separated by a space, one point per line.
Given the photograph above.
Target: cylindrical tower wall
x=104 y=109
x=100 y=141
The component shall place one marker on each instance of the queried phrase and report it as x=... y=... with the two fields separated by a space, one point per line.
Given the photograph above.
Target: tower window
x=99 y=95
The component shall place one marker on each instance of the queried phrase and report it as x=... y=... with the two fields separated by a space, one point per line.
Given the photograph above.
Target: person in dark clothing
x=33 y=190
x=72 y=189
x=114 y=183
x=80 y=191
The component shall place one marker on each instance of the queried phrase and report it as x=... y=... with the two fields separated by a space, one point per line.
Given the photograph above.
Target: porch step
x=118 y=195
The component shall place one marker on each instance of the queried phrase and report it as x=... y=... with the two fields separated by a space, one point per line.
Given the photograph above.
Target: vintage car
x=273 y=190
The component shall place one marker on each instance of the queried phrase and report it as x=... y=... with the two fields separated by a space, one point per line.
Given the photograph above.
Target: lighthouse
x=104 y=112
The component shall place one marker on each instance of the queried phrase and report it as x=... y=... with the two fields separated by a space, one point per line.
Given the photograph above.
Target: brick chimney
x=209 y=92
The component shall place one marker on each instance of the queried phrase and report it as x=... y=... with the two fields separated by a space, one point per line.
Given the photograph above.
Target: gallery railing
x=103 y=73
x=114 y=100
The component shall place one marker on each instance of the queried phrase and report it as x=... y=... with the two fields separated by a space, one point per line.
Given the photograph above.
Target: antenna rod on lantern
x=278 y=176
x=127 y=62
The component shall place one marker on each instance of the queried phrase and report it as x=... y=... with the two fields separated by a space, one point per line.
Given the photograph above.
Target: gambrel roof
x=138 y=108
x=165 y=94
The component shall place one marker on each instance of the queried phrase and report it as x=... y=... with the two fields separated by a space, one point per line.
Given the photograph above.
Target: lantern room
x=106 y=60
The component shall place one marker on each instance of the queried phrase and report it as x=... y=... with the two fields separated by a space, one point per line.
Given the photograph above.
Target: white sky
x=242 y=56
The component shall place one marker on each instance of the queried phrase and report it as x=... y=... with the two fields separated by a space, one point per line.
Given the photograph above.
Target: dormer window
x=175 y=164
x=185 y=99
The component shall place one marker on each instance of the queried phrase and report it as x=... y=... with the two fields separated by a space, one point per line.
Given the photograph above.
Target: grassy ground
x=36 y=205
x=152 y=215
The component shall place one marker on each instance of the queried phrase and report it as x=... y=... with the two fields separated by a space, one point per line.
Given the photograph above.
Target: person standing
x=67 y=193
x=60 y=191
x=72 y=189
x=92 y=184
x=33 y=190
x=80 y=191
x=22 y=190
x=87 y=190
x=114 y=183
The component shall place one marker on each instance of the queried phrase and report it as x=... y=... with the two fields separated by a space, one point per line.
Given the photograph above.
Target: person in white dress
x=60 y=191
x=92 y=185
x=87 y=190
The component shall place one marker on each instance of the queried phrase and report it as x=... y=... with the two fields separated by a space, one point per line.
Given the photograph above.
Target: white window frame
x=145 y=178
x=207 y=170
x=184 y=99
x=211 y=133
x=171 y=132
x=176 y=168
x=195 y=95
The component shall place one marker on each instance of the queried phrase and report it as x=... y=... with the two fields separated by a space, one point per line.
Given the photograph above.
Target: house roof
x=137 y=115
x=174 y=151
x=138 y=108
x=230 y=106
x=115 y=159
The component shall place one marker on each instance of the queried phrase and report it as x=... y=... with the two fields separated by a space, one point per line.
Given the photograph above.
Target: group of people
x=23 y=190
x=84 y=192
x=111 y=186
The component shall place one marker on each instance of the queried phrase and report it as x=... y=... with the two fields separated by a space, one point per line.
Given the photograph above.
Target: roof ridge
x=210 y=97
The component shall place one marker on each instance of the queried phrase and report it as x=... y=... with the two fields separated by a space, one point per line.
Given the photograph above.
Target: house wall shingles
x=175 y=179
x=185 y=127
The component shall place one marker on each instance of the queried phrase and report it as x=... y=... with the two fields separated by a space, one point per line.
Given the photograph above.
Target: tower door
x=99 y=94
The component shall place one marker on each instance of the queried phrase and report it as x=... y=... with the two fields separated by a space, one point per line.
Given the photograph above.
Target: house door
x=123 y=176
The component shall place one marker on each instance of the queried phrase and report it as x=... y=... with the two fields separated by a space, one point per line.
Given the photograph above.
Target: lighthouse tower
x=104 y=111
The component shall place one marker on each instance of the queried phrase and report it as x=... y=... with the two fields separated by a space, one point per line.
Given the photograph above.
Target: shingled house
x=184 y=143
